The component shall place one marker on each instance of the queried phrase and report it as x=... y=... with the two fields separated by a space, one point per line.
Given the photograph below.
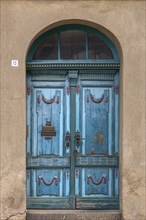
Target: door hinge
x=77 y=89
x=68 y=90
x=117 y=89
x=28 y=90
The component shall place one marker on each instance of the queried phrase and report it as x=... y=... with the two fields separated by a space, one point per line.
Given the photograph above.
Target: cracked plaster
x=21 y=21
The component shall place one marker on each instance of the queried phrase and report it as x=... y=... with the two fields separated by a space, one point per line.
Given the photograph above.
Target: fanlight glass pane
x=73 y=45
x=97 y=49
x=48 y=50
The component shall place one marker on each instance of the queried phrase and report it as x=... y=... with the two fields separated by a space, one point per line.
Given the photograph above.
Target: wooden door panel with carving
x=48 y=157
x=48 y=119
x=97 y=158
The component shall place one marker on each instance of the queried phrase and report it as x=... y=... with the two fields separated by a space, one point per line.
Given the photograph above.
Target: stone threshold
x=73 y=215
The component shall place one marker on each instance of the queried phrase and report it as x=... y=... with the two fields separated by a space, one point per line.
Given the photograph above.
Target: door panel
x=53 y=182
x=95 y=120
x=48 y=182
x=96 y=181
x=99 y=182
x=48 y=119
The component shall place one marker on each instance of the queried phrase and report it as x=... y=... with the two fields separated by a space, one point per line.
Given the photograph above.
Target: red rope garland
x=48 y=183
x=48 y=101
x=96 y=100
x=96 y=182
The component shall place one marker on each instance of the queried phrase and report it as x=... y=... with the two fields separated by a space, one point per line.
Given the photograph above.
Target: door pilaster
x=73 y=75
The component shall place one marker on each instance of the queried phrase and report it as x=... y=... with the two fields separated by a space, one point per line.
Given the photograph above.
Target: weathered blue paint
x=55 y=171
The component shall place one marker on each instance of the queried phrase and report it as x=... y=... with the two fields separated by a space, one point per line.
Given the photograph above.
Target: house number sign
x=14 y=63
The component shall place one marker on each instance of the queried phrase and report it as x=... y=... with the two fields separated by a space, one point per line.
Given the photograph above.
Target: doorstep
x=72 y=215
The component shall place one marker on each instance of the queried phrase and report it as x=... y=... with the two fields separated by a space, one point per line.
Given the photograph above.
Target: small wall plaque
x=14 y=63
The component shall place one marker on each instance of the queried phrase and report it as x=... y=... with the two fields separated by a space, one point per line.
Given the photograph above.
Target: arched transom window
x=73 y=43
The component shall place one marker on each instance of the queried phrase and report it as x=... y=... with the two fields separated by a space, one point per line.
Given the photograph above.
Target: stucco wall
x=21 y=22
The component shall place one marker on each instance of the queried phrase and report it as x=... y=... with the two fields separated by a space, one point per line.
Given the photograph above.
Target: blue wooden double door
x=72 y=140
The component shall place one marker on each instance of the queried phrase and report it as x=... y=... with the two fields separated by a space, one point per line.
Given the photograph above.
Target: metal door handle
x=67 y=140
x=77 y=139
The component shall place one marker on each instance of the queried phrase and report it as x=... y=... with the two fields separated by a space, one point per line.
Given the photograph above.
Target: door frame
x=102 y=74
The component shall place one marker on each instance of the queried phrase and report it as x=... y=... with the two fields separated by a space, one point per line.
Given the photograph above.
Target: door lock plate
x=75 y=153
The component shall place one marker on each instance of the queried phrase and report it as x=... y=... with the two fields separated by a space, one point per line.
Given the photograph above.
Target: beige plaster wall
x=21 y=21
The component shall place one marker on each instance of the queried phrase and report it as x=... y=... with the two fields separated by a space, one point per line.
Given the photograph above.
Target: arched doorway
x=72 y=119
